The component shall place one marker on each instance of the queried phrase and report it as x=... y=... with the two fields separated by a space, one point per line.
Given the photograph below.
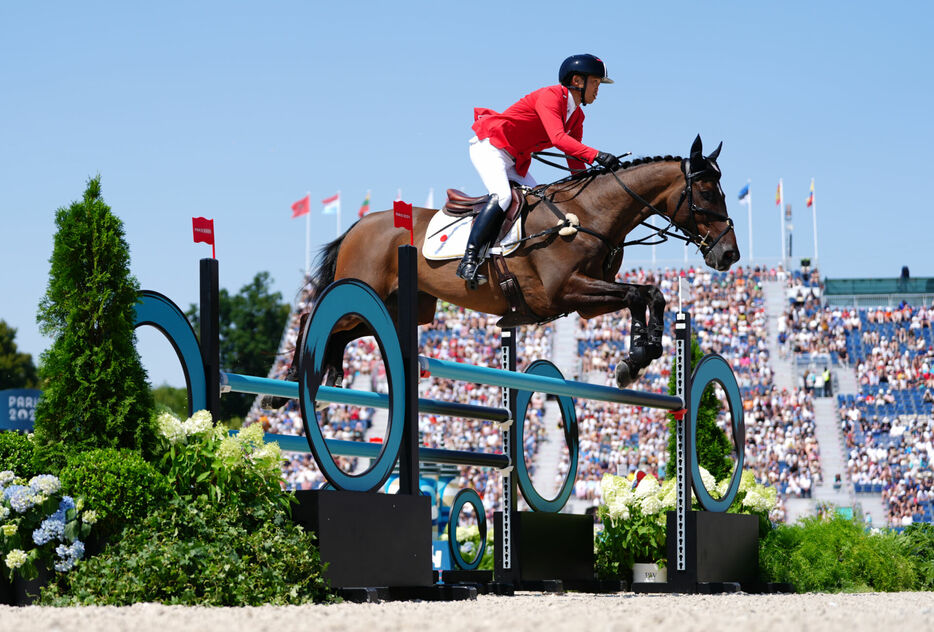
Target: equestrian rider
x=501 y=150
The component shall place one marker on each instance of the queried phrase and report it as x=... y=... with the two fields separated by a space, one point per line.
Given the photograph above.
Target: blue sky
x=233 y=110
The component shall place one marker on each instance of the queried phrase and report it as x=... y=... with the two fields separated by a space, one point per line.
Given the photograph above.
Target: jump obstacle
x=382 y=542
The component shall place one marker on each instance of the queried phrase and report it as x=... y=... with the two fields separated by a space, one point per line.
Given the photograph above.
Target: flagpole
x=814 y=211
x=338 y=214
x=749 y=208
x=308 y=236
x=781 y=219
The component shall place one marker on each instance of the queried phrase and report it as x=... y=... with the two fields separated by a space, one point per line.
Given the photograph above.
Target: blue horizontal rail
x=539 y=383
x=337 y=447
x=282 y=388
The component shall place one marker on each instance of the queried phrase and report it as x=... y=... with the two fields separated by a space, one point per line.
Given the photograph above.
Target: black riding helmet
x=582 y=65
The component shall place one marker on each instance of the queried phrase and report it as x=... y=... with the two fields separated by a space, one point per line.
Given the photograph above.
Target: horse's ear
x=697 y=148
x=716 y=152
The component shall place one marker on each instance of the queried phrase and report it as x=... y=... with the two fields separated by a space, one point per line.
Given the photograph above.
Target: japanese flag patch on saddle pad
x=446 y=238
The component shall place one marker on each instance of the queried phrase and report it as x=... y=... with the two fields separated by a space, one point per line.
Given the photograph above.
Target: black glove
x=609 y=161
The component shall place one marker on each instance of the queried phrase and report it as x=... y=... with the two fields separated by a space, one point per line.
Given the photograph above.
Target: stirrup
x=469 y=271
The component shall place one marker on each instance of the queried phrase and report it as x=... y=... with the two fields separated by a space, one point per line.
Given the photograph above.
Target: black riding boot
x=485 y=227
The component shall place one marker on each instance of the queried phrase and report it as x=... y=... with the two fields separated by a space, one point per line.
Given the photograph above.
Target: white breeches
x=496 y=168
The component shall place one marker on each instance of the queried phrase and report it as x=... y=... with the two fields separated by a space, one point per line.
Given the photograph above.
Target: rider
x=501 y=150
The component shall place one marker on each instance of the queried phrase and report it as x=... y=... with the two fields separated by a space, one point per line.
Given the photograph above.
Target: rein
x=662 y=234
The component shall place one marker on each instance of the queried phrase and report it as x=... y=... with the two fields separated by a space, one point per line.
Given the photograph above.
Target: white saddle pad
x=447 y=238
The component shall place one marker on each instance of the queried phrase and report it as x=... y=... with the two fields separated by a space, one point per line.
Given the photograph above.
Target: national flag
x=778 y=194
x=302 y=207
x=203 y=231
x=810 y=200
x=744 y=193
x=365 y=207
x=332 y=204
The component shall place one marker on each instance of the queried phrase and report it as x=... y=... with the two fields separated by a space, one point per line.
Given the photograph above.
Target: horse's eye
x=707 y=195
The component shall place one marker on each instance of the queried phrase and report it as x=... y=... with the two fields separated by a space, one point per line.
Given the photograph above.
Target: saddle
x=459 y=204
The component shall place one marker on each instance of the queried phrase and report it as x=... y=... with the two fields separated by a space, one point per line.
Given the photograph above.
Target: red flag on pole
x=203 y=231
x=402 y=218
x=302 y=207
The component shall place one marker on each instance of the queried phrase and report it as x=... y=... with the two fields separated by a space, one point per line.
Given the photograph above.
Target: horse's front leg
x=629 y=369
x=592 y=297
x=655 y=300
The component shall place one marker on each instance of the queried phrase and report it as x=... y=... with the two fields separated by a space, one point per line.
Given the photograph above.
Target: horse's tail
x=326 y=265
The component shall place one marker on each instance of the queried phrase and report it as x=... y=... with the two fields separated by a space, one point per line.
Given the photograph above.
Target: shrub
x=204 y=460
x=199 y=554
x=119 y=484
x=95 y=393
x=918 y=540
x=836 y=554
x=16 y=454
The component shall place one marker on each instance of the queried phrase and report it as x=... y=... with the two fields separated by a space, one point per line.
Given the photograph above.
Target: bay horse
x=557 y=273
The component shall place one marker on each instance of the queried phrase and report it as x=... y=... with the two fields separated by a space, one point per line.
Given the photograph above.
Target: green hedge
x=839 y=554
x=118 y=484
x=17 y=453
x=199 y=554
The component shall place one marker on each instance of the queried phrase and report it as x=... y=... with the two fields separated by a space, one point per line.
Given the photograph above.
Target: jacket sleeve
x=577 y=132
x=548 y=108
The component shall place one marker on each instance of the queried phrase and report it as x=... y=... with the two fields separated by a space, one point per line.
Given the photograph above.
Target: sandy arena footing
x=529 y=612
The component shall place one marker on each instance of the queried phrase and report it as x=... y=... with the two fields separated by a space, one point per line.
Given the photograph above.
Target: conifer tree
x=95 y=390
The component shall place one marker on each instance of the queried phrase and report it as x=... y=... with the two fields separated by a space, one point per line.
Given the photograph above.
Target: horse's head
x=701 y=209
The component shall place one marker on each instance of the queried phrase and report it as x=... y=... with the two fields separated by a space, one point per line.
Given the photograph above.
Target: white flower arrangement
x=175 y=431
x=634 y=516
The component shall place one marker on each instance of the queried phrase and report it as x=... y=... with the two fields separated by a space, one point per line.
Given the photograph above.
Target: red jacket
x=536 y=122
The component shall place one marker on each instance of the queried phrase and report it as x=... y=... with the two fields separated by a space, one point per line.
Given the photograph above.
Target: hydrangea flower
x=22 y=498
x=648 y=486
x=251 y=436
x=51 y=528
x=89 y=517
x=710 y=484
x=650 y=504
x=9 y=529
x=15 y=558
x=68 y=555
x=45 y=483
x=6 y=477
x=4 y=512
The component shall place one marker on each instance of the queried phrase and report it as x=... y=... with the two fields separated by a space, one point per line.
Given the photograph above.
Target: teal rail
x=359 y=449
x=281 y=388
x=542 y=384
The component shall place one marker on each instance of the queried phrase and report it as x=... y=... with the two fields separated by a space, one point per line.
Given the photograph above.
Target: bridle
x=691 y=232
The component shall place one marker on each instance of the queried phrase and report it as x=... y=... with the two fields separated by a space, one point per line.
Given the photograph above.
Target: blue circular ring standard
x=160 y=312
x=462 y=498
x=343 y=298
x=713 y=368
x=545 y=368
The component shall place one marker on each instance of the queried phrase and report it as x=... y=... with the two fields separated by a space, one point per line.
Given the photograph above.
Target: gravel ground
x=530 y=612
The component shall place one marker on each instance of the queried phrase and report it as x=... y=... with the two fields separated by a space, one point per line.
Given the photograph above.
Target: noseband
x=694 y=235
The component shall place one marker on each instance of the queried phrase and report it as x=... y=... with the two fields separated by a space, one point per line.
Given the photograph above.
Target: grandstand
x=838 y=397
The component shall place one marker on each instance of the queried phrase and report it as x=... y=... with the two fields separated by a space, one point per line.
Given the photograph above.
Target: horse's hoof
x=320 y=405
x=625 y=376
